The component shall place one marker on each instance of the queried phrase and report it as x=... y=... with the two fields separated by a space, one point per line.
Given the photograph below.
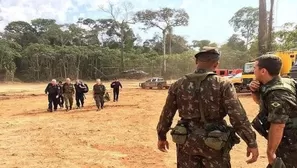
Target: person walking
x=203 y=99
x=68 y=92
x=99 y=92
x=115 y=85
x=52 y=90
x=79 y=93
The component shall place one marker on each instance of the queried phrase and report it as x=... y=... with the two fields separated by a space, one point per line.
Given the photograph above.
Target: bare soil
x=123 y=135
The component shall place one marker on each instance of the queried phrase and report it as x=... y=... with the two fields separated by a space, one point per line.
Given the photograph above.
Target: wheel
x=160 y=86
x=142 y=86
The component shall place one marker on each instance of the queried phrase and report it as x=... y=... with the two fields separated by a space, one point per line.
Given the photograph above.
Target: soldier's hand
x=254 y=85
x=163 y=146
x=255 y=154
x=271 y=157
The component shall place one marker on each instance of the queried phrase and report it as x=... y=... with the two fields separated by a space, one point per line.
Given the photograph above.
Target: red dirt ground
x=123 y=135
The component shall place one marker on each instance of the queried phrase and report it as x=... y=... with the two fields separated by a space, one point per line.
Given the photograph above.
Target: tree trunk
x=164 y=53
x=262 y=37
x=122 y=49
x=270 y=38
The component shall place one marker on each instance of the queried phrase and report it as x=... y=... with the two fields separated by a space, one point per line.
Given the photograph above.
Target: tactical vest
x=197 y=78
x=288 y=85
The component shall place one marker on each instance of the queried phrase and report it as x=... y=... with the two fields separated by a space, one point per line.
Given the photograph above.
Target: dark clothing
x=52 y=100
x=79 y=94
x=53 y=91
x=116 y=93
x=116 y=89
x=116 y=85
x=60 y=99
x=280 y=108
x=79 y=97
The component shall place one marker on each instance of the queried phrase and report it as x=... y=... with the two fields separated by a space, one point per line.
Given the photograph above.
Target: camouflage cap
x=208 y=53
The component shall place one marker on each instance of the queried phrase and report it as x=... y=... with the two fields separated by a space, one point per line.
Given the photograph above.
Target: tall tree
x=121 y=16
x=262 y=36
x=246 y=20
x=164 y=19
x=201 y=43
x=270 y=28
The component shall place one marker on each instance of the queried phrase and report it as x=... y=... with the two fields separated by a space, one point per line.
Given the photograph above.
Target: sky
x=208 y=18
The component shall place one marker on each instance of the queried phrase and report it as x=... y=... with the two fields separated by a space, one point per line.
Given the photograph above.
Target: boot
x=66 y=108
x=70 y=107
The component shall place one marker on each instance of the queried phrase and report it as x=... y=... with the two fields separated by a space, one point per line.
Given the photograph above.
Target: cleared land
x=121 y=136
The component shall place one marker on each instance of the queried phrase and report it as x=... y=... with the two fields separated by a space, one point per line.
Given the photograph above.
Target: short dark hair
x=271 y=63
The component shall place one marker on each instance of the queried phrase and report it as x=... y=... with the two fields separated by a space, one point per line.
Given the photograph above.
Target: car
x=157 y=82
x=237 y=81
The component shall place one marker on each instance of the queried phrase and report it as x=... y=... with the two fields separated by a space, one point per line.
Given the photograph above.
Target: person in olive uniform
x=203 y=99
x=99 y=91
x=52 y=90
x=60 y=98
x=79 y=93
x=115 y=85
x=276 y=97
x=68 y=92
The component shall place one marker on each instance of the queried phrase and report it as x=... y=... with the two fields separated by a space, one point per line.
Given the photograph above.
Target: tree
x=262 y=36
x=286 y=38
x=270 y=27
x=8 y=52
x=246 y=20
x=200 y=44
x=164 y=19
x=121 y=16
x=235 y=43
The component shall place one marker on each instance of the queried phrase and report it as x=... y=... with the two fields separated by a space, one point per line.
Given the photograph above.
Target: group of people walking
x=60 y=93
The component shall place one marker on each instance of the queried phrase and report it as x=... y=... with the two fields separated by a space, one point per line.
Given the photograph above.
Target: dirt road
x=121 y=136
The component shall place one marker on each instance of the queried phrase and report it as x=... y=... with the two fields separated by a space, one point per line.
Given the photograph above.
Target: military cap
x=208 y=53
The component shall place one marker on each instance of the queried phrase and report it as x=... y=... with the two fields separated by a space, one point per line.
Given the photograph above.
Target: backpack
x=86 y=90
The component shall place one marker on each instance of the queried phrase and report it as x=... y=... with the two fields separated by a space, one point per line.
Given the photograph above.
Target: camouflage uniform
x=219 y=99
x=280 y=107
x=99 y=91
x=68 y=92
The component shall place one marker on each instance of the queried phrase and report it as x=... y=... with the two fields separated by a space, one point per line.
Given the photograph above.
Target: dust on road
x=123 y=135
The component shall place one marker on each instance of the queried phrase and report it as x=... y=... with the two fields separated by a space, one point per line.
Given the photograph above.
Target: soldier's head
x=207 y=58
x=68 y=80
x=54 y=81
x=98 y=81
x=77 y=81
x=267 y=67
x=60 y=82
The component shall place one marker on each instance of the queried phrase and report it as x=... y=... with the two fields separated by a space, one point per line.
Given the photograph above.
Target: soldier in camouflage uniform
x=277 y=99
x=99 y=91
x=68 y=92
x=203 y=99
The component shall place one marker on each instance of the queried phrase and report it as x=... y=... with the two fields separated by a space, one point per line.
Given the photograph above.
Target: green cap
x=208 y=53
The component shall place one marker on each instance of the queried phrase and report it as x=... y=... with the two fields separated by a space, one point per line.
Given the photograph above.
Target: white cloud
x=26 y=10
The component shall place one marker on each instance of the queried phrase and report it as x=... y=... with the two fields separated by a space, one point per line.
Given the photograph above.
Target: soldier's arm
x=278 y=115
x=167 y=114
x=46 y=89
x=120 y=85
x=237 y=115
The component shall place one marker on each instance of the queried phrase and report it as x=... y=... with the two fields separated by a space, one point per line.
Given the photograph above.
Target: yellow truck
x=288 y=60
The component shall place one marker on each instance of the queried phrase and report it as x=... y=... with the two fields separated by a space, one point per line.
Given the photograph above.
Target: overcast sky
x=208 y=18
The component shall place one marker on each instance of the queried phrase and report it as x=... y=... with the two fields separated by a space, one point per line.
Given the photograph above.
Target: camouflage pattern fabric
x=280 y=106
x=220 y=99
x=68 y=88
x=68 y=98
x=185 y=160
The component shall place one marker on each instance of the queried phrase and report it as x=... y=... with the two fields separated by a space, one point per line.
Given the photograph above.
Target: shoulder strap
x=197 y=79
x=281 y=86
